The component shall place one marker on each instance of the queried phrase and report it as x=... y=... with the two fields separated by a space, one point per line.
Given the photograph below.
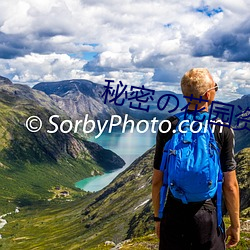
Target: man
x=194 y=225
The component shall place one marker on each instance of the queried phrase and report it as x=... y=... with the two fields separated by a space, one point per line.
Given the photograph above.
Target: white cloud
x=140 y=42
x=34 y=68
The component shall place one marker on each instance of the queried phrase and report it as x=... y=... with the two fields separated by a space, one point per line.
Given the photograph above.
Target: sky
x=141 y=42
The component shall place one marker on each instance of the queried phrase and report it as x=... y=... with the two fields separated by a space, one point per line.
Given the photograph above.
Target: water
x=3 y=222
x=128 y=146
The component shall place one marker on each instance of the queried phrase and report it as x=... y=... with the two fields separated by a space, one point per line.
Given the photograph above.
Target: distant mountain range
x=80 y=97
x=241 y=135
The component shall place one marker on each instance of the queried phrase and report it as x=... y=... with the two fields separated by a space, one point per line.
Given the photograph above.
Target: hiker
x=196 y=225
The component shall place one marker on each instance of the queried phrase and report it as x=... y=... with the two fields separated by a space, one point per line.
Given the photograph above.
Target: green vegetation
x=32 y=163
x=57 y=225
x=243 y=175
x=150 y=242
x=244 y=235
x=49 y=225
x=36 y=170
x=113 y=214
x=32 y=183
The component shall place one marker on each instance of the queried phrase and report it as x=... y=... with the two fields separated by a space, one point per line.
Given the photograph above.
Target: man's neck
x=192 y=106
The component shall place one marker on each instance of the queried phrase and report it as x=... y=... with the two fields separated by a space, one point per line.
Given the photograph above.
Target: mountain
x=79 y=97
x=243 y=102
x=241 y=135
x=121 y=211
x=243 y=174
x=4 y=80
x=32 y=163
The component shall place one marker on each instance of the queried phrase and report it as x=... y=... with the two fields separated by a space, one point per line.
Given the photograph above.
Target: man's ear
x=207 y=95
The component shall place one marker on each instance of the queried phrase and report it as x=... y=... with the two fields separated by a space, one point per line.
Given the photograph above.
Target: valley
x=38 y=172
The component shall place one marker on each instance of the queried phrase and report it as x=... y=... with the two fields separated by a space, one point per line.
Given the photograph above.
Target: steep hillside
x=243 y=174
x=126 y=201
x=241 y=135
x=243 y=102
x=123 y=210
x=32 y=163
x=106 y=215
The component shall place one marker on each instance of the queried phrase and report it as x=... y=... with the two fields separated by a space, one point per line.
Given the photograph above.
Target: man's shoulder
x=223 y=128
x=172 y=119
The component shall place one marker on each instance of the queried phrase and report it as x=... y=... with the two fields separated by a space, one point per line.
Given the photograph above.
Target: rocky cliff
x=4 y=80
x=78 y=98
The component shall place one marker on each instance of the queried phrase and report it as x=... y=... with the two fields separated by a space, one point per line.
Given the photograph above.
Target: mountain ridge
x=80 y=97
x=4 y=80
x=73 y=95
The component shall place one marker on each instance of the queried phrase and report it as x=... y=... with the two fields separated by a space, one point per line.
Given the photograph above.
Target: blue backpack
x=191 y=163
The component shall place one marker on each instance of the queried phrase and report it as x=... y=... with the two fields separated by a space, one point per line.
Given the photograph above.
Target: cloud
x=141 y=42
x=230 y=45
x=34 y=68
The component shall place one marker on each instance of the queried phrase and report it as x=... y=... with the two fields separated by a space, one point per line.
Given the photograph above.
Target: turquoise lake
x=129 y=146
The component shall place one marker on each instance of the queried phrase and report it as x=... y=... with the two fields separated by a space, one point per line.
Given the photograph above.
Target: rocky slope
x=79 y=97
x=241 y=135
x=31 y=163
x=4 y=80
x=243 y=175
x=125 y=206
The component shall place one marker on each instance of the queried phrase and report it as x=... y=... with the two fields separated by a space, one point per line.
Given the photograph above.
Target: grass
x=90 y=220
x=150 y=242
x=29 y=175
x=51 y=225
x=31 y=164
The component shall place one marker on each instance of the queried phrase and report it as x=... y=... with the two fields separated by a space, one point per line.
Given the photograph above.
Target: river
x=128 y=146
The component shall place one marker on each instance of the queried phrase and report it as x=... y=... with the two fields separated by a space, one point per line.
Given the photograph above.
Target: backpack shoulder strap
x=180 y=115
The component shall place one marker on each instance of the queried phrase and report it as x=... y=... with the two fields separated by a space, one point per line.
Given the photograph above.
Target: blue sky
x=138 y=42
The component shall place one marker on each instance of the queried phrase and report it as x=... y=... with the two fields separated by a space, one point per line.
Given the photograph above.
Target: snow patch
x=143 y=186
x=3 y=222
x=142 y=204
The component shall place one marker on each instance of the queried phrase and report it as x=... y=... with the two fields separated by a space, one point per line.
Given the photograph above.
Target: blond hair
x=196 y=81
